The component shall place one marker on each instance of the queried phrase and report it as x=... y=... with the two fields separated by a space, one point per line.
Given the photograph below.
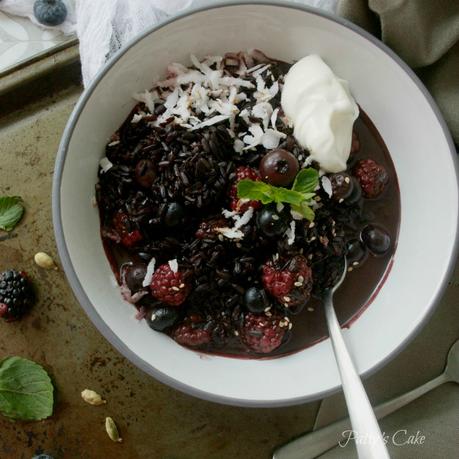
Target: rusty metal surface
x=155 y=421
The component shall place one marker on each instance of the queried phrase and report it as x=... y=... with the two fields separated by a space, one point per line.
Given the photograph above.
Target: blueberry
x=256 y=299
x=174 y=214
x=342 y=185
x=271 y=222
x=356 y=194
x=162 y=318
x=356 y=252
x=279 y=167
x=376 y=239
x=50 y=12
x=145 y=173
x=135 y=275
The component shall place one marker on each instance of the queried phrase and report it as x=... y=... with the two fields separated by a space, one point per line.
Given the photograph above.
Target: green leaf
x=288 y=196
x=26 y=391
x=11 y=211
x=305 y=211
x=306 y=180
x=255 y=190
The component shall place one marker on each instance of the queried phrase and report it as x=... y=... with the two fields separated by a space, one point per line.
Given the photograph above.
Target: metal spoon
x=316 y=443
x=364 y=423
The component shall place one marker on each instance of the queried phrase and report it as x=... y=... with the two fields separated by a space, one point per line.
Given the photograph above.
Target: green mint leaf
x=306 y=180
x=305 y=211
x=11 y=211
x=287 y=196
x=26 y=391
x=255 y=190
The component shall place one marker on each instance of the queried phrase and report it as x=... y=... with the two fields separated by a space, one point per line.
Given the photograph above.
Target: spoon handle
x=363 y=419
x=386 y=408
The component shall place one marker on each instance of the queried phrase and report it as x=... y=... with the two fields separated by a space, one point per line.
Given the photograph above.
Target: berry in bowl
x=222 y=214
x=224 y=219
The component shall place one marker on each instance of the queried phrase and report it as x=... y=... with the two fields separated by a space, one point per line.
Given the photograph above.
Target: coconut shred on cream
x=322 y=111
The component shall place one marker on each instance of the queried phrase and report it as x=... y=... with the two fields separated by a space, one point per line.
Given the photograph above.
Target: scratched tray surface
x=155 y=421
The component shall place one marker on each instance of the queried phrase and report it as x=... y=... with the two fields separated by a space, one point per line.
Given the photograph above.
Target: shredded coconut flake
x=240 y=221
x=256 y=137
x=290 y=233
x=115 y=142
x=137 y=117
x=271 y=138
x=231 y=233
x=148 y=99
x=105 y=164
x=173 y=264
x=210 y=122
x=149 y=274
x=172 y=99
x=263 y=110
x=261 y=70
x=229 y=213
x=307 y=162
x=274 y=118
x=238 y=145
x=327 y=186
x=256 y=67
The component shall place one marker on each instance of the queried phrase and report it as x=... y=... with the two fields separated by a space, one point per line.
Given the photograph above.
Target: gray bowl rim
x=78 y=288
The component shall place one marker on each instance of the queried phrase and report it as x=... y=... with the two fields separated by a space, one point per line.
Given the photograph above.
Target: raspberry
x=291 y=285
x=16 y=295
x=188 y=334
x=240 y=205
x=261 y=333
x=169 y=286
x=206 y=229
x=372 y=177
x=129 y=236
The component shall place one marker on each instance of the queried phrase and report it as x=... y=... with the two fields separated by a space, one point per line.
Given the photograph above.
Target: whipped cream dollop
x=322 y=110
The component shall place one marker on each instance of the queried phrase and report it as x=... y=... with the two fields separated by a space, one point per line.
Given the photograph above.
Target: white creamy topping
x=322 y=111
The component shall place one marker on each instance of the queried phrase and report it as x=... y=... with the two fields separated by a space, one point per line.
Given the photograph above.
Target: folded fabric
x=425 y=34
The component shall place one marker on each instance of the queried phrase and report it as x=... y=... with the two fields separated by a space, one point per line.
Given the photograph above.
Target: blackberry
x=169 y=286
x=189 y=334
x=263 y=334
x=290 y=284
x=372 y=177
x=16 y=294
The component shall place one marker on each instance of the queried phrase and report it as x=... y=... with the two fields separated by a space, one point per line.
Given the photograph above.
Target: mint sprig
x=11 y=211
x=26 y=391
x=299 y=196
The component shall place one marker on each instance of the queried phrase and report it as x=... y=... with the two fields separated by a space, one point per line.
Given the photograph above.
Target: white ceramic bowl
x=409 y=123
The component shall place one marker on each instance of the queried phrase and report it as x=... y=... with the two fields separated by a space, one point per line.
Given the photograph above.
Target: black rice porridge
x=198 y=199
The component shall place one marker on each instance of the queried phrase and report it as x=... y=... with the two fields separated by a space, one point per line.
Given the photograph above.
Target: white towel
x=104 y=26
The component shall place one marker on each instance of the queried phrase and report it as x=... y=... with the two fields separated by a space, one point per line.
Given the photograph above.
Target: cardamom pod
x=93 y=398
x=43 y=260
x=112 y=430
